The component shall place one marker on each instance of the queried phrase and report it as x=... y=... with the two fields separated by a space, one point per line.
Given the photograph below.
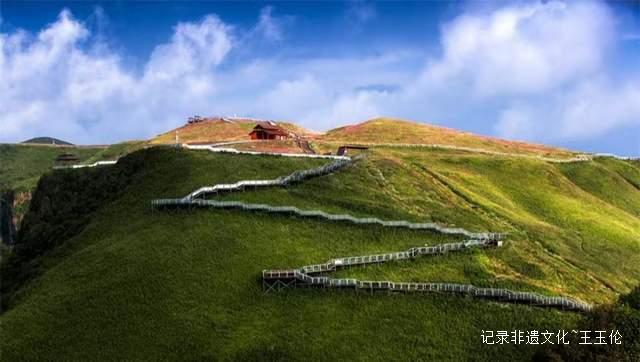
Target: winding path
x=311 y=275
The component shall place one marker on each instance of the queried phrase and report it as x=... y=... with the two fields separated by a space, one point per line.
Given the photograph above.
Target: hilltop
x=47 y=141
x=379 y=131
x=212 y=130
x=397 y=131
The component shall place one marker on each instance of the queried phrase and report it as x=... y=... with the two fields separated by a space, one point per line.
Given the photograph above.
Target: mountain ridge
x=381 y=130
x=44 y=140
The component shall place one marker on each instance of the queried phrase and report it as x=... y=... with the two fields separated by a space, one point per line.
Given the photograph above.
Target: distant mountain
x=47 y=141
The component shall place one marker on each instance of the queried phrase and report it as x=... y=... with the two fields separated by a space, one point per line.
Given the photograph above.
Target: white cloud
x=360 y=11
x=521 y=70
x=60 y=83
x=596 y=106
x=523 y=49
x=268 y=26
x=295 y=97
x=542 y=70
x=194 y=48
x=530 y=71
x=516 y=121
x=589 y=109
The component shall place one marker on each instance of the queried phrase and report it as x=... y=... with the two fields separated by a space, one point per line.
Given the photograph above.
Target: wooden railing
x=312 y=275
x=305 y=276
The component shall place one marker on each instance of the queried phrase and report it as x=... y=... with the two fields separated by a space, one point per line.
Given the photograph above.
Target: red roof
x=270 y=128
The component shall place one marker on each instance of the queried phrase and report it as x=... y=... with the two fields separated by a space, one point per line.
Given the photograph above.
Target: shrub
x=61 y=206
x=623 y=317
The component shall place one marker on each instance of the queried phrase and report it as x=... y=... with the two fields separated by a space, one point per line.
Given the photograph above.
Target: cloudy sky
x=566 y=74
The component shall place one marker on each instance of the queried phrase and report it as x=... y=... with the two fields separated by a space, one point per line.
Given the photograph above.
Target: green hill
x=119 y=281
x=398 y=131
x=22 y=165
x=47 y=141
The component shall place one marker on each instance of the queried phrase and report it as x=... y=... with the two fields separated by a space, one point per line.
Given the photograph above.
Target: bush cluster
x=61 y=206
x=623 y=317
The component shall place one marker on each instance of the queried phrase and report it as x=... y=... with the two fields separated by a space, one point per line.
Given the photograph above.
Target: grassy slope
x=218 y=131
x=22 y=165
x=137 y=284
x=208 y=131
x=563 y=239
x=273 y=146
x=115 y=151
x=389 y=130
x=613 y=181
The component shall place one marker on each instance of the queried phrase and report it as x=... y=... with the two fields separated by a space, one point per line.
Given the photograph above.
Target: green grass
x=562 y=238
x=22 y=165
x=613 y=181
x=136 y=284
x=115 y=151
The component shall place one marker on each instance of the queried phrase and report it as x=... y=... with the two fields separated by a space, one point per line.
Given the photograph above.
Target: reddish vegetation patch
x=351 y=129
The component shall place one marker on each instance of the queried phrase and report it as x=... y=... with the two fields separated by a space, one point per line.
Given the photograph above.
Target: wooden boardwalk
x=187 y=203
x=315 y=275
x=193 y=200
x=294 y=177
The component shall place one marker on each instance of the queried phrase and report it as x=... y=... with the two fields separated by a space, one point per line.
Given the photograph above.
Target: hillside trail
x=302 y=277
x=305 y=146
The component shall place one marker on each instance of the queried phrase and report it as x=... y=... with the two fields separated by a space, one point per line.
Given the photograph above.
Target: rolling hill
x=124 y=282
x=379 y=131
x=219 y=130
x=397 y=131
x=47 y=141
x=21 y=168
x=23 y=165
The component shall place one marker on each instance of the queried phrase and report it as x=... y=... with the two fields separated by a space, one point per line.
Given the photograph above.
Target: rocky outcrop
x=7 y=220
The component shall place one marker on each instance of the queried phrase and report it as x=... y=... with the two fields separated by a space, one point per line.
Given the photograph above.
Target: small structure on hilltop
x=66 y=158
x=343 y=150
x=195 y=119
x=268 y=131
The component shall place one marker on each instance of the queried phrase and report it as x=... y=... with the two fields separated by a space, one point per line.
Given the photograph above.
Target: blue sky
x=565 y=74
